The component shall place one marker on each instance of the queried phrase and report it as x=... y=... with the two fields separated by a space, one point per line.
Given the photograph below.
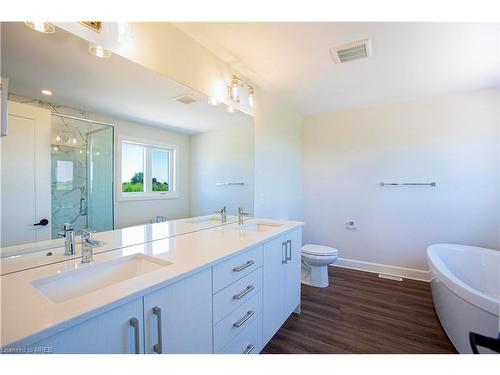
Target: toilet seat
x=318 y=250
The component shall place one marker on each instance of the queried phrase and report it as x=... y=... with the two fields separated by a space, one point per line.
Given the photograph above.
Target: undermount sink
x=73 y=284
x=259 y=227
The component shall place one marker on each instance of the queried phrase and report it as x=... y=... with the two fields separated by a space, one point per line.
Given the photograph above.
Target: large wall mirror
x=104 y=143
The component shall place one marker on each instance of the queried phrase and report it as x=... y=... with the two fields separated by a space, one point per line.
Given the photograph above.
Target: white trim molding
x=407 y=273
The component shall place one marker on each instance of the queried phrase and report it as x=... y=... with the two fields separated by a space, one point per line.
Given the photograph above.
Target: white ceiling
x=410 y=60
x=116 y=86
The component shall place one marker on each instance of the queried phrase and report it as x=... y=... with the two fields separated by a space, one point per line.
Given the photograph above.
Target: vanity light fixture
x=233 y=91
x=46 y=92
x=41 y=27
x=99 y=51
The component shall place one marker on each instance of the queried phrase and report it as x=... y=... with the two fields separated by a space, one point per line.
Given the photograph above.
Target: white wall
x=128 y=213
x=165 y=49
x=222 y=156
x=452 y=140
x=278 y=159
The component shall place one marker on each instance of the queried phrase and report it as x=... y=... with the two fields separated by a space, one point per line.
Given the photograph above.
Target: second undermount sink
x=259 y=227
x=76 y=283
x=206 y=220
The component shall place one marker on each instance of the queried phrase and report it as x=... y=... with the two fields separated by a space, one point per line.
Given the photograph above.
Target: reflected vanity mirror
x=104 y=144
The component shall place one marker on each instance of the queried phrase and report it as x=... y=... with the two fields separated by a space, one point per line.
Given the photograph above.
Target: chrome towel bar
x=229 y=183
x=407 y=184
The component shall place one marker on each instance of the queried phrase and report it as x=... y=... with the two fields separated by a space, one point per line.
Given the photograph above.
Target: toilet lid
x=319 y=250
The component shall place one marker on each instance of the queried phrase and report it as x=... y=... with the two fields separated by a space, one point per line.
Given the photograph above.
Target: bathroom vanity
x=221 y=289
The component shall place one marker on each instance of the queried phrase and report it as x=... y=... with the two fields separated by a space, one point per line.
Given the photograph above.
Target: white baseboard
x=407 y=273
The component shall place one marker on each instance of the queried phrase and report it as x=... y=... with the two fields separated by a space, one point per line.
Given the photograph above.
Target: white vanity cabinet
x=118 y=331
x=234 y=306
x=281 y=279
x=178 y=318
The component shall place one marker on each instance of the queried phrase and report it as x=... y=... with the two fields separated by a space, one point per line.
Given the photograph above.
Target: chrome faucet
x=69 y=239
x=222 y=212
x=88 y=244
x=241 y=215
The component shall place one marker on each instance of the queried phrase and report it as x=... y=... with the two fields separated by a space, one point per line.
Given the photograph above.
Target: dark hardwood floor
x=362 y=313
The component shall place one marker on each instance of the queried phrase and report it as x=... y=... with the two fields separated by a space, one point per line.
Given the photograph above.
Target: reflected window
x=147 y=170
x=133 y=158
x=64 y=175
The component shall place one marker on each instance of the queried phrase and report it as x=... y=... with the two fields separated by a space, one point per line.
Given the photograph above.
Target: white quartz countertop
x=22 y=257
x=27 y=315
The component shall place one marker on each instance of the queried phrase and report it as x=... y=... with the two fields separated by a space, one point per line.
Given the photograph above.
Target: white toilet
x=315 y=261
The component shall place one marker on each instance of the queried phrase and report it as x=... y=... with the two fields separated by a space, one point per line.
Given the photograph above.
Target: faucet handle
x=87 y=234
x=67 y=227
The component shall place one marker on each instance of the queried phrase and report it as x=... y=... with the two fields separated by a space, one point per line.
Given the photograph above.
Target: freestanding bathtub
x=466 y=291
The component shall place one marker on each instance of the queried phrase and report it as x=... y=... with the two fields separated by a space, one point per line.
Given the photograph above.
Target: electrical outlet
x=350 y=225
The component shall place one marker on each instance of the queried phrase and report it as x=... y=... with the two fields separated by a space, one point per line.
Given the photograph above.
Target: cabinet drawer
x=236 y=322
x=249 y=341
x=236 y=267
x=236 y=294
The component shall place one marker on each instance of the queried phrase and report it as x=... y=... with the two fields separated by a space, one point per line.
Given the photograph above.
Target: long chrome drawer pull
x=283 y=252
x=249 y=349
x=241 y=268
x=135 y=324
x=157 y=348
x=242 y=321
x=289 y=247
x=244 y=292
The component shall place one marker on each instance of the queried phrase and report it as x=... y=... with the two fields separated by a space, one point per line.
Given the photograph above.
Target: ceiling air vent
x=185 y=99
x=351 y=51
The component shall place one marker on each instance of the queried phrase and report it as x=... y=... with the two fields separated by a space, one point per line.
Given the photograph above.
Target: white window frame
x=148 y=194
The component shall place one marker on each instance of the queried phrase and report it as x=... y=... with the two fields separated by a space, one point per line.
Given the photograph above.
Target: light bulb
x=73 y=140
x=41 y=27
x=58 y=138
x=99 y=51
x=46 y=92
x=234 y=91
x=251 y=99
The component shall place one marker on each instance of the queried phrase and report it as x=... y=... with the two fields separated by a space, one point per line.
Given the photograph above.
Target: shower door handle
x=42 y=222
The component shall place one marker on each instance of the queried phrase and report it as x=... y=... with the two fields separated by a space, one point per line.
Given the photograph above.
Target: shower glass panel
x=81 y=174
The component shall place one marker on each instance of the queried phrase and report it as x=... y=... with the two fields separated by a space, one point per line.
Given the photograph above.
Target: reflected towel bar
x=229 y=183
x=408 y=184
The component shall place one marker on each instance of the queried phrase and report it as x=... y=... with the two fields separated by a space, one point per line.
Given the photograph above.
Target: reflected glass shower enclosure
x=81 y=174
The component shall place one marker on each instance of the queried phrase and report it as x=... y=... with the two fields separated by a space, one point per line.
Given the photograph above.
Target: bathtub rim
x=440 y=270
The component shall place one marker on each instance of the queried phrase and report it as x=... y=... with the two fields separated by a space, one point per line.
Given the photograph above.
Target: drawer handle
x=157 y=348
x=249 y=349
x=241 y=268
x=244 y=292
x=289 y=247
x=135 y=324
x=242 y=321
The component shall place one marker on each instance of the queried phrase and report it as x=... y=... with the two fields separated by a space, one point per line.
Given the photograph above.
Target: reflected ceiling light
x=213 y=101
x=230 y=109
x=251 y=98
x=233 y=91
x=99 y=51
x=46 y=92
x=58 y=138
x=41 y=27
